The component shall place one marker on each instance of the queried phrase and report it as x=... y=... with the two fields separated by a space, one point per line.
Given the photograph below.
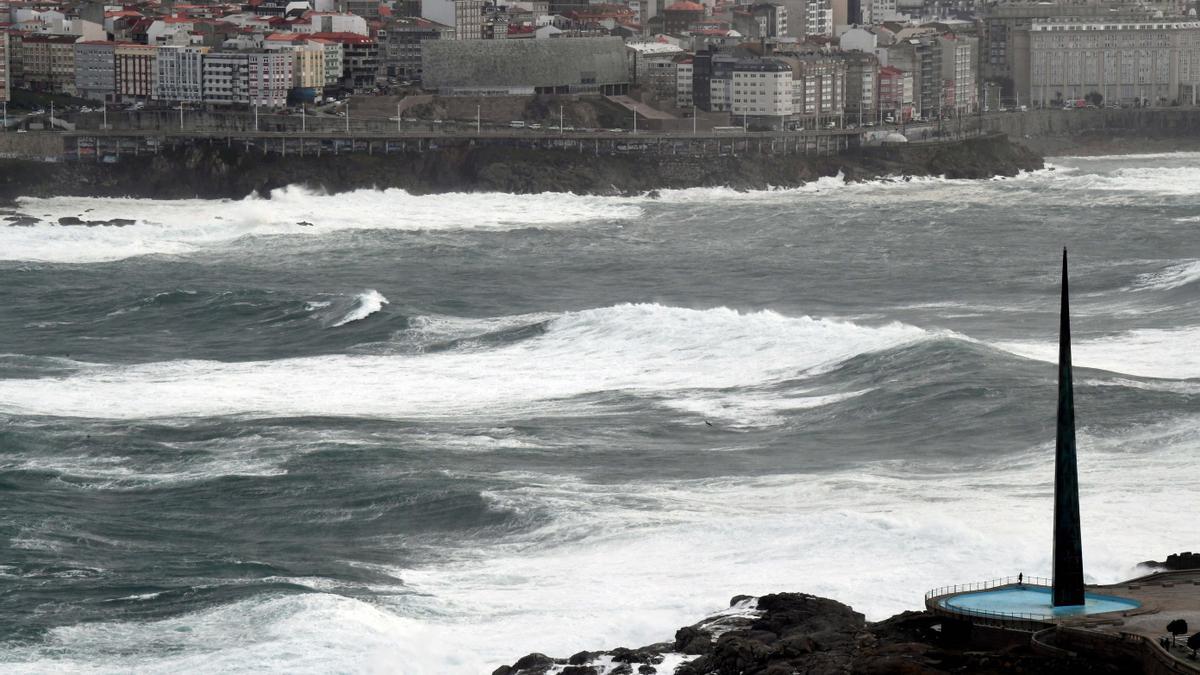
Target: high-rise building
x=400 y=45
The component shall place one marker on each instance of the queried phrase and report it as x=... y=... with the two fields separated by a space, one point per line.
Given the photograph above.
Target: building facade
x=958 y=74
x=464 y=16
x=95 y=70
x=1143 y=62
x=400 y=45
x=584 y=65
x=49 y=63
x=5 y=69
x=135 y=71
x=862 y=86
x=762 y=94
x=179 y=73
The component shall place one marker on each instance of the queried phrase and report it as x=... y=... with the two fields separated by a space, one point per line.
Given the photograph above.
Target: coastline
x=207 y=171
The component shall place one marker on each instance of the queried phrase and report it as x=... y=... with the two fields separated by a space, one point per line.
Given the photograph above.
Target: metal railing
x=991 y=583
x=1020 y=620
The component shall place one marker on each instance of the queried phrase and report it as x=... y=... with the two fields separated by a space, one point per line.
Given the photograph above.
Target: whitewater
x=379 y=432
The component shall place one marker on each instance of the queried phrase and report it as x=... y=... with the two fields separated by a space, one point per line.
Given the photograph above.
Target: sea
x=385 y=433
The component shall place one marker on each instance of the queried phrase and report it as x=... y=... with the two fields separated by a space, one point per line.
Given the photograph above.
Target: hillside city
x=784 y=65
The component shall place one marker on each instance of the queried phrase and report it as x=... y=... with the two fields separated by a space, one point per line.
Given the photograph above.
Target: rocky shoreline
x=787 y=633
x=209 y=171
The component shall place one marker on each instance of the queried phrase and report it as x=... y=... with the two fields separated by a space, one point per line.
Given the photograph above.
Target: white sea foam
x=1175 y=276
x=628 y=563
x=184 y=226
x=669 y=351
x=1160 y=353
x=365 y=304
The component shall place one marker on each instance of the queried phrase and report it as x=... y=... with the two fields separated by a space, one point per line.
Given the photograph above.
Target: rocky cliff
x=212 y=171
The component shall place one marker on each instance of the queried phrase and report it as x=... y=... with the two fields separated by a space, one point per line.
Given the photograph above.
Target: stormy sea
x=377 y=432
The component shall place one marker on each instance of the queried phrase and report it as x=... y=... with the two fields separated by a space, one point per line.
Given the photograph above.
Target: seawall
x=217 y=170
x=1098 y=131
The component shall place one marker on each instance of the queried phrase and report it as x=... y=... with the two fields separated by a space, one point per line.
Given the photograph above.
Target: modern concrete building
x=135 y=71
x=895 y=94
x=464 y=16
x=179 y=73
x=1148 y=61
x=95 y=70
x=517 y=67
x=400 y=43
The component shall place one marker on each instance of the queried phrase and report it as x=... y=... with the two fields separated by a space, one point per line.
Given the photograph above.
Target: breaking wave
x=366 y=303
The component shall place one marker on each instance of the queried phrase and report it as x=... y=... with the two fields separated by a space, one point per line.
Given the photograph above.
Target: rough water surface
x=382 y=432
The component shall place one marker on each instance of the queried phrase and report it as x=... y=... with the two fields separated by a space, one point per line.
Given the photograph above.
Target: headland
x=797 y=632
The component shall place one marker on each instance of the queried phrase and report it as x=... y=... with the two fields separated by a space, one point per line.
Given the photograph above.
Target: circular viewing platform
x=1026 y=603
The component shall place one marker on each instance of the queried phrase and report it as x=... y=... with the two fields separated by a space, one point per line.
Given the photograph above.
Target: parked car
x=517 y=124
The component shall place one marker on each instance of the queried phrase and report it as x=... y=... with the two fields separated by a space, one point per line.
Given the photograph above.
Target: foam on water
x=1175 y=276
x=1168 y=353
x=365 y=304
x=626 y=564
x=184 y=226
x=645 y=348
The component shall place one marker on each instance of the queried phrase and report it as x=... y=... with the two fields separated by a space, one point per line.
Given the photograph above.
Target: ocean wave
x=365 y=304
x=186 y=226
x=1175 y=276
x=1156 y=353
x=669 y=352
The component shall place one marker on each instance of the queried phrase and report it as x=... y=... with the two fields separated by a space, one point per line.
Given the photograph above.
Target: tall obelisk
x=1068 y=548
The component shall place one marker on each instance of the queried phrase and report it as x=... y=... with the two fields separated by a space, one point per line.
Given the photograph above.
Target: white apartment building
x=1155 y=60
x=762 y=93
x=330 y=22
x=808 y=17
x=179 y=73
x=251 y=78
x=464 y=16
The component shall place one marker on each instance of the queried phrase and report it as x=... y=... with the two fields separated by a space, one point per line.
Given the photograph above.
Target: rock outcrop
x=216 y=171
x=797 y=633
x=1175 y=562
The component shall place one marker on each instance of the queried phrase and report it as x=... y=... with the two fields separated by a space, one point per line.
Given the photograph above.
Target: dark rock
x=1177 y=561
x=692 y=640
x=646 y=669
x=304 y=223
x=580 y=670
x=22 y=221
x=502 y=670
x=580 y=658
x=623 y=655
x=532 y=664
x=739 y=598
x=623 y=669
x=120 y=222
x=70 y=220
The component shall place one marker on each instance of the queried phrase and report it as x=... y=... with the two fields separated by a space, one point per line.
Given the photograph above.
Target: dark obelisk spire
x=1068 y=549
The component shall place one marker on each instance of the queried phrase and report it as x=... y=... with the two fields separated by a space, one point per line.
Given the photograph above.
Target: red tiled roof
x=344 y=38
x=685 y=6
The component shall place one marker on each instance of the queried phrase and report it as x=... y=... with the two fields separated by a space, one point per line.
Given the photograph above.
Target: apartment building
x=400 y=45
x=95 y=70
x=464 y=16
x=134 y=65
x=762 y=93
x=49 y=62
x=862 y=84
x=258 y=78
x=179 y=73
x=958 y=73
